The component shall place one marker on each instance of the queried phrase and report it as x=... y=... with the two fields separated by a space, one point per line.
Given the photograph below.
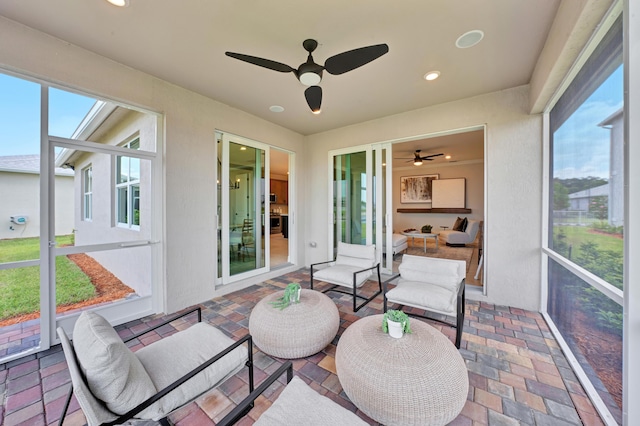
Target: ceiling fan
x=417 y=158
x=310 y=74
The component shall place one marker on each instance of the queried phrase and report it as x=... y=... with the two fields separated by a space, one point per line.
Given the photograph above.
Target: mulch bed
x=108 y=288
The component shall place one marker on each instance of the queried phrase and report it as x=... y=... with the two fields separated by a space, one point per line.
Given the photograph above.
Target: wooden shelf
x=439 y=210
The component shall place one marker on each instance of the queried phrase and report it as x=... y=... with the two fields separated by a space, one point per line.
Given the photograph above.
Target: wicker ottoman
x=300 y=330
x=419 y=379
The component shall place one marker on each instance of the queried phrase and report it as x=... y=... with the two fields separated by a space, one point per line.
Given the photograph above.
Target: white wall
x=514 y=183
x=189 y=147
x=473 y=172
x=21 y=196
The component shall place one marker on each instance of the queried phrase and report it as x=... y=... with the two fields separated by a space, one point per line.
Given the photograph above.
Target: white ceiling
x=183 y=42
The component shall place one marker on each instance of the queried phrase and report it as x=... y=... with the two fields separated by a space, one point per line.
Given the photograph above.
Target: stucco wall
x=513 y=188
x=21 y=196
x=188 y=233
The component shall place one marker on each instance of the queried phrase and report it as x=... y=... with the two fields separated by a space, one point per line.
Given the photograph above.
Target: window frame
x=131 y=188
x=87 y=193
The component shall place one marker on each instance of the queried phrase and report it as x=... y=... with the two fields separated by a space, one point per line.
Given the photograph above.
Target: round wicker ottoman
x=419 y=379
x=300 y=330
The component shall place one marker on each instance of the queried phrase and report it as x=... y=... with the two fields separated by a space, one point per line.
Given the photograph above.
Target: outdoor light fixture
x=432 y=75
x=119 y=3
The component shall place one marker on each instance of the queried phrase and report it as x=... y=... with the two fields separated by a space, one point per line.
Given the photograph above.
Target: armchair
x=460 y=237
x=431 y=284
x=113 y=384
x=351 y=268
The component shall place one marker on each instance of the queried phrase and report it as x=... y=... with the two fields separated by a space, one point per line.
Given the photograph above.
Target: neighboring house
x=581 y=200
x=615 y=122
x=111 y=192
x=20 y=189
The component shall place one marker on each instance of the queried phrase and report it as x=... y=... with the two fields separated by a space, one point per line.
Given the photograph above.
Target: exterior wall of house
x=513 y=189
x=131 y=266
x=21 y=196
x=189 y=150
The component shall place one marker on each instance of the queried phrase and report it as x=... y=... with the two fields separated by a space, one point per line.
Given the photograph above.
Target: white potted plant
x=396 y=323
x=291 y=295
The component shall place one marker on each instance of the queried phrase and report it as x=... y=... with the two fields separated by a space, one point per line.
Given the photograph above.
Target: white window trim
x=87 y=194
x=128 y=185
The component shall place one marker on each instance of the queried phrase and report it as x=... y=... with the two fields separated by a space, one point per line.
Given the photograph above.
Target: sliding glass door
x=243 y=235
x=358 y=192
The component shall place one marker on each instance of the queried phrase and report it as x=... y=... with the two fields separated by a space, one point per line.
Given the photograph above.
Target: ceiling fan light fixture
x=417 y=162
x=309 y=78
x=119 y=3
x=432 y=75
x=316 y=111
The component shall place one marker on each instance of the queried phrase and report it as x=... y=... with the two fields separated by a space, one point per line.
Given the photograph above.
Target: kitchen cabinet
x=281 y=189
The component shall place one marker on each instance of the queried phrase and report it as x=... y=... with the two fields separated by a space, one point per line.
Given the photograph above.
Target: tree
x=560 y=196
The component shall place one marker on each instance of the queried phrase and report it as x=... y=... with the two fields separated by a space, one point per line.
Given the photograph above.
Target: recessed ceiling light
x=448 y=157
x=119 y=3
x=276 y=108
x=470 y=38
x=432 y=75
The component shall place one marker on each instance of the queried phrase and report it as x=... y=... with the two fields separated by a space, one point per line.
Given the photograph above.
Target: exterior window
x=128 y=188
x=586 y=217
x=87 y=193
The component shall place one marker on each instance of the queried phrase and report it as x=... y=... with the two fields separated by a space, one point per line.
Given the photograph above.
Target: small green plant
x=426 y=229
x=290 y=296
x=397 y=316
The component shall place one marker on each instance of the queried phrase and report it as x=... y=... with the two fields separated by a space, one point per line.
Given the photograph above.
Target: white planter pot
x=395 y=329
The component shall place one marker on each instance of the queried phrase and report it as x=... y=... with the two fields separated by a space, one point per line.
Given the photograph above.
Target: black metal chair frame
x=460 y=304
x=337 y=288
x=151 y=400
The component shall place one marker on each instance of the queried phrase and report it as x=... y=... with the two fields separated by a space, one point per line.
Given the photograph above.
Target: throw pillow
x=457 y=226
x=465 y=222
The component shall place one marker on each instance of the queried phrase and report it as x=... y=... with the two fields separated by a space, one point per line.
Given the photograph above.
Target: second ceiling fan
x=417 y=158
x=310 y=74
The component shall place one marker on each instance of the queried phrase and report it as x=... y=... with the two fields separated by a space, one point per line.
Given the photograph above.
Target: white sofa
x=459 y=238
x=400 y=244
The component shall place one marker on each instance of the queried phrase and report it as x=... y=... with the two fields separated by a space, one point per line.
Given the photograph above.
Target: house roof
x=27 y=164
x=185 y=43
x=598 y=191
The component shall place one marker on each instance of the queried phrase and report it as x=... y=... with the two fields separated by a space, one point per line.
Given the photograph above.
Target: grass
x=20 y=287
x=576 y=235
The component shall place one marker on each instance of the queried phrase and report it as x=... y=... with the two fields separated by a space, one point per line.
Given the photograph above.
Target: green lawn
x=20 y=287
x=576 y=235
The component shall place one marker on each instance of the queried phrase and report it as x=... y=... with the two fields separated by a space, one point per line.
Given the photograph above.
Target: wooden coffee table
x=419 y=379
x=423 y=236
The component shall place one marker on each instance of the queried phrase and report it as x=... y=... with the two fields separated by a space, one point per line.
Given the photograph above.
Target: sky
x=20 y=114
x=580 y=146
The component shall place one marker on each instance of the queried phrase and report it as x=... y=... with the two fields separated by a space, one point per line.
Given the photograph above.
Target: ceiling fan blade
x=314 y=98
x=347 y=61
x=428 y=157
x=261 y=62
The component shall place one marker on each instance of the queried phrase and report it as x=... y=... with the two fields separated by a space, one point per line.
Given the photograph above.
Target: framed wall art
x=416 y=189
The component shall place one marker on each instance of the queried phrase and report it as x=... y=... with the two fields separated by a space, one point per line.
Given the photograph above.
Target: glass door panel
x=350 y=198
x=20 y=290
x=243 y=237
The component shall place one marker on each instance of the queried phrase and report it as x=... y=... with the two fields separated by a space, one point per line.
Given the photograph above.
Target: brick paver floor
x=517 y=373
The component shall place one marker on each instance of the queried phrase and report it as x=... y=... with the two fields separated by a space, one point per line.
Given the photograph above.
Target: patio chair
x=114 y=385
x=431 y=284
x=351 y=268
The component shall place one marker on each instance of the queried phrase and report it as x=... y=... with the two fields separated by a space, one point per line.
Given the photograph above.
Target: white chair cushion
x=342 y=275
x=356 y=255
x=398 y=239
x=298 y=404
x=172 y=357
x=425 y=296
x=446 y=273
x=113 y=372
